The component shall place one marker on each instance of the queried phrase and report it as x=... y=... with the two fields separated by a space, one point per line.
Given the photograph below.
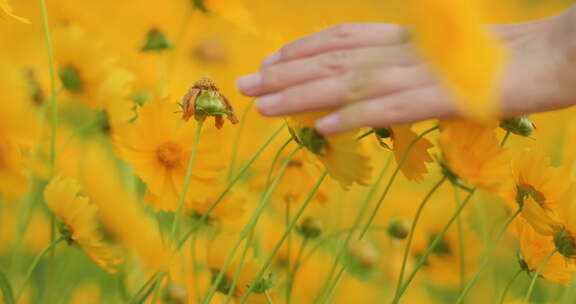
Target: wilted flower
x=203 y=100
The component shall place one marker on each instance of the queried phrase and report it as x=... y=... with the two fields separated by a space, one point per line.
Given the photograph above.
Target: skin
x=376 y=65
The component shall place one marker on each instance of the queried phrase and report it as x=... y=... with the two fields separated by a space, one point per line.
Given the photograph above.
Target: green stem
x=284 y=236
x=268 y=298
x=393 y=178
x=292 y=274
x=230 y=185
x=356 y=225
x=365 y=135
x=381 y=199
x=509 y=285
x=156 y=290
x=431 y=248
x=505 y=139
x=236 y=144
x=537 y=274
x=180 y=209
x=248 y=227
x=194 y=261
x=487 y=256
x=413 y=230
x=461 y=245
x=53 y=107
x=275 y=160
x=251 y=235
x=34 y=264
x=136 y=296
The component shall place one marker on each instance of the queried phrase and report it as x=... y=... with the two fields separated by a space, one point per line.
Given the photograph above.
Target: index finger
x=343 y=36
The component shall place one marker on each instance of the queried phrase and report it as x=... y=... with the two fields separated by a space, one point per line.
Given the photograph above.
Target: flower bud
x=263 y=284
x=156 y=41
x=565 y=243
x=203 y=100
x=36 y=92
x=399 y=229
x=310 y=228
x=71 y=79
x=362 y=257
x=175 y=294
x=518 y=125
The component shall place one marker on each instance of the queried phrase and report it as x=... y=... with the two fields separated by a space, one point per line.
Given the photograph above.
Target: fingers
x=343 y=36
x=283 y=75
x=400 y=108
x=334 y=92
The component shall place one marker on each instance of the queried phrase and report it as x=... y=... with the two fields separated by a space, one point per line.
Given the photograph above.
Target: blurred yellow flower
x=341 y=154
x=452 y=38
x=86 y=71
x=535 y=247
x=158 y=145
x=231 y=207
x=541 y=190
x=119 y=211
x=6 y=12
x=233 y=11
x=471 y=151
x=80 y=221
x=414 y=165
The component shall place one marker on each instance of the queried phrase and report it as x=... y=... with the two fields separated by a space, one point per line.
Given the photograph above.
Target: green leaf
x=6 y=288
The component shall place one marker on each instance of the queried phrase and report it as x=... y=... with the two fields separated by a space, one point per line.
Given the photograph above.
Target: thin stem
x=460 y=242
x=284 y=236
x=505 y=139
x=292 y=274
x=157 y=290
x=393 y=178
x=236 y=144
x=53 y=107
x=268 y=298
x=356 y=225
x=135 y=297
x=537 y=274
x=275 y=160
x=230 y=185
x=413 y=230
x=248 y=227
x=365 y=135
x=380 y=200
x=289 y=239
x=178 y=216
x=194 y=261
x=34 y=264
x=509 y=285
x=431 y=248
x=487 y=256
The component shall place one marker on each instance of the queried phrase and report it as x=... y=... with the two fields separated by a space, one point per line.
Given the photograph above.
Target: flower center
x=169 y=154
x=71 y=79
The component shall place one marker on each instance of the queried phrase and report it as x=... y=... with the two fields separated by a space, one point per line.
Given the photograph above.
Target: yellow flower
x=86 y=72
x=158 y=145
x=541 y=190
x=414 y=166
x=451 y=36
x=119 y=211
x=341 y=154
x=6 y=12
x=80 y=220
x=535 y=247
x=472 y=152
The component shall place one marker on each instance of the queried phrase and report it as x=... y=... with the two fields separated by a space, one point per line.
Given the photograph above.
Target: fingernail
x=247 y=84
x=269 y=104
x=271 y=59
x=328 y=125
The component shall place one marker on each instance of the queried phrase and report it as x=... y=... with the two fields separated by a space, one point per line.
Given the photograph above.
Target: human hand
x=370 y=74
